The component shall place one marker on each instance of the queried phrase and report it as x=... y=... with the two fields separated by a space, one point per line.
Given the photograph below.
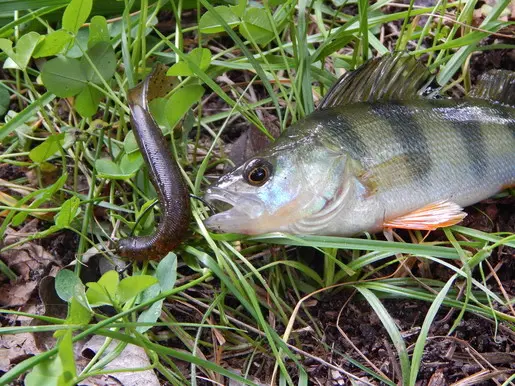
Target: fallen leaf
x=15 y=348
x=131 y=357
x=30 y=262
x=54 y=307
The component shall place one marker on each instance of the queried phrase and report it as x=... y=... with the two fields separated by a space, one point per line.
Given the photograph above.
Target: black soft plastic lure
x=164 y=173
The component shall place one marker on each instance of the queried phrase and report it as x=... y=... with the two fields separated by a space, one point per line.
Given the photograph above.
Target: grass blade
x=391 y=328
x=356 y=244
x=421 y=340
x=24 y=115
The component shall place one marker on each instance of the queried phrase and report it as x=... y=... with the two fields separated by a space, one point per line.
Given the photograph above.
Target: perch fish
x=374 y=155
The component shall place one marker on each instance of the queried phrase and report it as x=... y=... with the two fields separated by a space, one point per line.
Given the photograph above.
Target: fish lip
x=244 y=209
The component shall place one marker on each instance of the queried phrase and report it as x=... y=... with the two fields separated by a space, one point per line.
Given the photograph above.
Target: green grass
x=247 y=295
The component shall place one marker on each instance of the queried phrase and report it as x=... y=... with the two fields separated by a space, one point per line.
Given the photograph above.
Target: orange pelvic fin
x=430 y=217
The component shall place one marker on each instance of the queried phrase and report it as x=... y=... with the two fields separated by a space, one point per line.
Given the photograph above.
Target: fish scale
x=442 y=138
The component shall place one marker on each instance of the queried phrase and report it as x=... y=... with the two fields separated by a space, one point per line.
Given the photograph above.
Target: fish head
x=275 y=189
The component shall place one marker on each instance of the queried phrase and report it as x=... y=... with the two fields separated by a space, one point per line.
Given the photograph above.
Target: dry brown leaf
x=130 y=358
x=54 y=307
x=15 y=348
x=30 y=262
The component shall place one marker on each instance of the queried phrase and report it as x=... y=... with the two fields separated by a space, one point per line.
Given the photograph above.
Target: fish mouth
x=236 y=210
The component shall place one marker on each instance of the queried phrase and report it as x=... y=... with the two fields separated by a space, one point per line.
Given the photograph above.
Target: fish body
x=358 y=167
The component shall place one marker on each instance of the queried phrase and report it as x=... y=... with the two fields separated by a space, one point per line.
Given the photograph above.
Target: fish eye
x=257 y=172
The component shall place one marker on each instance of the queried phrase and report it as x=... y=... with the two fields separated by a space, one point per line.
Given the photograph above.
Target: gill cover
x=278 y=188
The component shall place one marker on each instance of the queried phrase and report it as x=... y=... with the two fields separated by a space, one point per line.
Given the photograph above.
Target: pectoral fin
x=430 y=217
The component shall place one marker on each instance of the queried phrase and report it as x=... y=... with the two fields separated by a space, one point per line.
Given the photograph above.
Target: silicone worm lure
x=164 y=172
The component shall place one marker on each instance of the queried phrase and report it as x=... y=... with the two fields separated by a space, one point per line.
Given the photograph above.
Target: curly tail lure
x=164 y=172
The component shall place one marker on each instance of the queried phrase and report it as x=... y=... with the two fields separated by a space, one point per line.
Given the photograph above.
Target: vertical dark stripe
x=409 y=135
x=474 y=143
x=344 y=131
x=508 y=114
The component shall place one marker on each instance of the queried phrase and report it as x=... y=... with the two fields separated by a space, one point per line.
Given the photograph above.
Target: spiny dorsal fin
x=391 y=77
x=496 y=86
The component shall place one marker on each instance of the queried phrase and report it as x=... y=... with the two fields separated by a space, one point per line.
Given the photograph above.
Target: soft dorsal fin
x=496 y=86
x=391 y=77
